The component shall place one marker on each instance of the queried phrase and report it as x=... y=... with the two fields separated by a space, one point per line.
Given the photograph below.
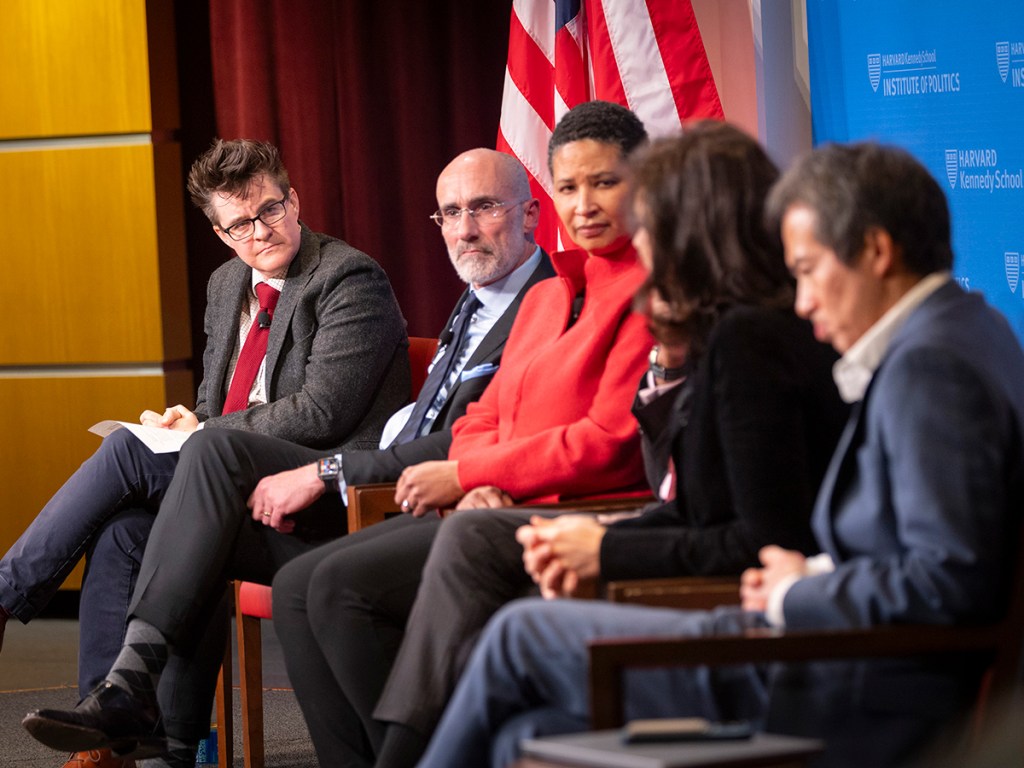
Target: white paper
x=157 y=439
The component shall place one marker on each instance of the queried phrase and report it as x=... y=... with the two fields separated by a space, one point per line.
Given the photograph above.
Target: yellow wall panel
x=48 y=419
x=82 y=272
x=73 y=68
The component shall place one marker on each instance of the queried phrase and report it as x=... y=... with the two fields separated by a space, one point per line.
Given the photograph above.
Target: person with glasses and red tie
x=295 y=319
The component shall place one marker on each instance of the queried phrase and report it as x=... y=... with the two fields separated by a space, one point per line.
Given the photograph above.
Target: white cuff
x=813 y=566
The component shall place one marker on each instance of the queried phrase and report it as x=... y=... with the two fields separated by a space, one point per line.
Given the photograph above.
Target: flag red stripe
x=604 y=68
x=531 y=71
x=570 y=76
x=689 y=74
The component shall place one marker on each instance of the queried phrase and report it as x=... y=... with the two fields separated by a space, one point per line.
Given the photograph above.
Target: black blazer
x=384 y=466
x=750 y=450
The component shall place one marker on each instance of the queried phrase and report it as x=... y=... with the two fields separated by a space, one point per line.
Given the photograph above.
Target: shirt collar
x=258 y=277
x=854 y=370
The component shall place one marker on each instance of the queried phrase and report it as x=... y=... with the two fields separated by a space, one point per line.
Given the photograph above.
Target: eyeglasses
x=449 y=217
x=273 y=213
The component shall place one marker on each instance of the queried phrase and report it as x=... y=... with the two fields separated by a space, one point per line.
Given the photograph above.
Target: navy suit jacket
x=384 y=466
x=919 y=511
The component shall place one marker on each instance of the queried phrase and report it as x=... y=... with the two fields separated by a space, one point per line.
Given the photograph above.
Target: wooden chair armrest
x=687 y=592
x=609 y=658
x=368 y=504
x=601 y=504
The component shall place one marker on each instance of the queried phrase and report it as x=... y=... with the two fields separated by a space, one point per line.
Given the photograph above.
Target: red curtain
x=368 y=100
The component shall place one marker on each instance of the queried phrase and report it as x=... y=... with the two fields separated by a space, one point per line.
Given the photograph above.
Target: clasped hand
x=757 y=584
x=561 y=553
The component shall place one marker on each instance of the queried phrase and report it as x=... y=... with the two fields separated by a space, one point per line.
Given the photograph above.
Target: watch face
x=328 y=469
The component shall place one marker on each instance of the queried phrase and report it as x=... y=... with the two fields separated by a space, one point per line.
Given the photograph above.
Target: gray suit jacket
x=384 y=466
x=919 y=510
x=337 y=360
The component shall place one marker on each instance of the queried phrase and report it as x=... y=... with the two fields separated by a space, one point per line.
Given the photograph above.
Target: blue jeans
x=528 y=677
x=111 y=568
x=122 y=474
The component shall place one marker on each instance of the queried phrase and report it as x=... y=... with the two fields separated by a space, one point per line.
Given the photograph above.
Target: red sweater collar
x=593 y=268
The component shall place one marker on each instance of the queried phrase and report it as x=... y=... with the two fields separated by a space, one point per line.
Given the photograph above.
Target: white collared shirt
x=854 y=370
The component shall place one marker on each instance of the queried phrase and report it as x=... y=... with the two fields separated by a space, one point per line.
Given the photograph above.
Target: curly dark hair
x=600 y=121
x=701 y=196
x=854 y=188
x=230 y=167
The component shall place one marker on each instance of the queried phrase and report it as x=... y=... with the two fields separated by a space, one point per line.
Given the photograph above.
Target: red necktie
x=253 y=351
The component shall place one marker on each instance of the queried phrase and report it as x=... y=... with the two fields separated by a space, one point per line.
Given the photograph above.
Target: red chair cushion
x=254 y=600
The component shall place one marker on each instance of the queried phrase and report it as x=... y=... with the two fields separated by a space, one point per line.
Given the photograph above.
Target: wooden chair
x=1000 y=641
x=253 y=603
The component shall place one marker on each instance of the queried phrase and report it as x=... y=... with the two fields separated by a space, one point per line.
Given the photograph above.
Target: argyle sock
x=179 y=755
x=143 y=657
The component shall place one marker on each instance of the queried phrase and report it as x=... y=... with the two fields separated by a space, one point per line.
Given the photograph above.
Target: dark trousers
x=340 y=612
x=474 y=568
x=204 y=534
x=202 y=537
x=407 y=598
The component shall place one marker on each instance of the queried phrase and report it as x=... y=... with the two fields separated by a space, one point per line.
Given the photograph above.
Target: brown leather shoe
x=98 y=758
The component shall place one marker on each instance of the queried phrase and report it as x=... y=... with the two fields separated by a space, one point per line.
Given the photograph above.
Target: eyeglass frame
x=442 y=221
x=258 y=217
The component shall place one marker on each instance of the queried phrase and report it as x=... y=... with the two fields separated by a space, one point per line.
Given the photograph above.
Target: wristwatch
x=660 y=371
x=329 y=470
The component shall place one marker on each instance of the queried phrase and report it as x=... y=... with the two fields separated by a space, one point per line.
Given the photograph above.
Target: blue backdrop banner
x=945 y=80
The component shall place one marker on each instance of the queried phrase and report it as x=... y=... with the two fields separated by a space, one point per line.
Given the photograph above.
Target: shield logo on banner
x=875 y=69
x=952 y=166
x=1011 y=259
x=1003 y=59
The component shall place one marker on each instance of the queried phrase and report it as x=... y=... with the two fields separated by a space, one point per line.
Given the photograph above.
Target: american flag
x=644 y=54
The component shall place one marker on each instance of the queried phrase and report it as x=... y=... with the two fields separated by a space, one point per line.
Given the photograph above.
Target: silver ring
x=266 y=514
x=405 y=504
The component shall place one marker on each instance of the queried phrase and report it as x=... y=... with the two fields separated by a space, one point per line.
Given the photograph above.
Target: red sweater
x=555 y=422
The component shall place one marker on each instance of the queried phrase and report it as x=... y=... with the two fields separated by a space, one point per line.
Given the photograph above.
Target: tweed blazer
x=337 y=360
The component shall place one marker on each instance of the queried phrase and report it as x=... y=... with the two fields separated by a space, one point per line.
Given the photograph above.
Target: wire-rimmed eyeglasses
x=449 y=217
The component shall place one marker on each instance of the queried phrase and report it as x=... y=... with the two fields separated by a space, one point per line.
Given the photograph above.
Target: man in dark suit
x=917 y=517
x=205 y=532
x=334 y=324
